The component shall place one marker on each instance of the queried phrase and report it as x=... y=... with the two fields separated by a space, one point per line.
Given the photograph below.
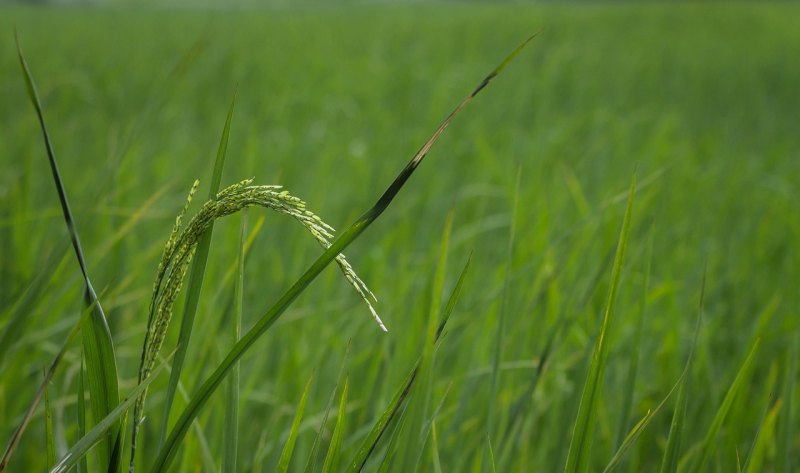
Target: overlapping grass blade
x=764 y=439
x=671 y=459
x=195 y=283
x=170 y=446
x=231 y=436
x=582 y=436
x=48 y=420
x=501 y=316
x=18 y=314
x=373 y=437
x=99 y=431
x=82 y=466
x=288 y=447
x=412 y=442
x=633 y=364
x=332 y=457
x=101 y=362
x=311 y=464
x=708 y=445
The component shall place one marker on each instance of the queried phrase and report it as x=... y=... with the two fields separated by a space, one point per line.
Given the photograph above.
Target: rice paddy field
x=597 y=327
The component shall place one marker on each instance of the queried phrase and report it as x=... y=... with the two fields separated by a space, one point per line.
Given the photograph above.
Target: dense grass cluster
x=591 y=308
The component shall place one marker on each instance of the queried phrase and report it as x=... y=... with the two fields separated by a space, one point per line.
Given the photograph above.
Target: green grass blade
x=370 y=442
x=15 y=438
x=195 y=282
x=82 y=466
x=311 y=464
x=501 y=316
x=101 y=361
x=413 y=442
x=764 y=439
x=170 y=446
x=99 y=431
x=671 y=458
x=48 y=420
x=18 y=316
x=232 y=396
x=332 y=457
x=581 y=441
x=288 y=448
x=783 y=460
x=633 y=366
x=708 y=445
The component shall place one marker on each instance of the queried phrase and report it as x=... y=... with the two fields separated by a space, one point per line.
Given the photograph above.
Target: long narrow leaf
x=786 y=431
x=709 y=444
x=583 y=433
x=99 y=431
x=195 y=283
x=101 y=362
x=332 y=457
x=288 y=448
x=170 y=447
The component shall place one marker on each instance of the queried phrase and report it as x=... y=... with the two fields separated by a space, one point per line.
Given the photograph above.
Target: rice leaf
x=671 y=459
x=370 y=442
x=101 y=362
x=48 y=420
x=412 y=443
x=501 y=316
x=288 y=448
x=82 y=466
x=195 y=284
x=764 y=440
x=633 y=364
x=709 y=444
x=332 y=458
x=170 y=446
x=311 y=464
x=100 y=429
x=583 y=433
x=231 y=436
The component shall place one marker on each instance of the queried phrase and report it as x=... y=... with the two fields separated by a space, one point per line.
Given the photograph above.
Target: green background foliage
x=701 y=101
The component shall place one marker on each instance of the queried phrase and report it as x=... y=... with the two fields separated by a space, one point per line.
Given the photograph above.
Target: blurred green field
x=699 y=101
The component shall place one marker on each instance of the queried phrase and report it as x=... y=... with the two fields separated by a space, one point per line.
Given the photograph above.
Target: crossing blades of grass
x=288 y=447
x=199 y=399
x=101 y=362
x=708 y=446
x=332 y=457
x=373 y=437
x=232 y=395
x=764 y=438
x=412 y=442
x=98 y=432
x=195 y=283
x=582 y=435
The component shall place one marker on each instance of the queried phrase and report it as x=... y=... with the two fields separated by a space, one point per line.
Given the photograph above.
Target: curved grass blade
x=98 y=432
x=48 y=421
x=708 y=445
x=195 y=283
x=764 y=439
x=332 y=457
x=288 y=448
x=101 y=362
x=265 y=322
x=581 y=442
